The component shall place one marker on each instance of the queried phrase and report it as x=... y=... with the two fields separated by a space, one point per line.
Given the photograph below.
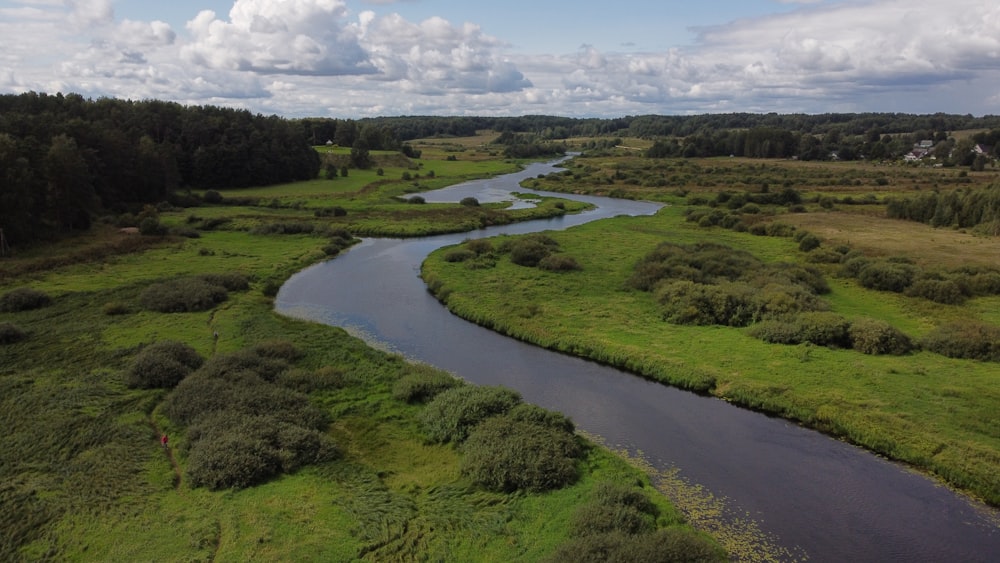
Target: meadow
x=83 y=475
x=934 y=412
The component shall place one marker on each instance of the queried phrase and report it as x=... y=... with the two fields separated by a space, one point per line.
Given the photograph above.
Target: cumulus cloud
x=306 y=37
x=434 y=57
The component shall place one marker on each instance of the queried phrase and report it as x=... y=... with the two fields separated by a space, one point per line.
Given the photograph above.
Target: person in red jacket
x=163 y=441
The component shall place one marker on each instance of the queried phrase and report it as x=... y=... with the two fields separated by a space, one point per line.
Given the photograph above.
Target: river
x=814 y=496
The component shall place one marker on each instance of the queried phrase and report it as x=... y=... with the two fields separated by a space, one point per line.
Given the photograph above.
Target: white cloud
x=305 y=37
x=316 y=57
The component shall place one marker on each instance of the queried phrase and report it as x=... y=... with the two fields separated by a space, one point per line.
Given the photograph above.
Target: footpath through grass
x=936 y=413
x=83 y=475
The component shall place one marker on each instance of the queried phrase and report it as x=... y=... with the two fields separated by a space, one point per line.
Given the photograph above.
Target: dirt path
x=168 y=451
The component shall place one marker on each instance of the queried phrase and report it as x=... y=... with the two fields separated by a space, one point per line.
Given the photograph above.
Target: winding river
x=815 y=496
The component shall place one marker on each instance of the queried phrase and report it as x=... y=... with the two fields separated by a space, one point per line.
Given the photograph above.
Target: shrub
x=23 y=299
x=526 y=412
x=504 y=454
x=150 y=226
x=968 y=339
x=824 y=256
x=479 y=246
x=615 y=508
x=227 y=366
x=162 y=365
x=470 y=202
x=809 y=242
x=528 y=252
x=304 y=381
x=11 y=333
x=182 y=296
x=423 y=385
x=816 y=327
x=417 y=200
x=667 y=545
x=231 y=281
x=232 y=461
x=212 y=196
x=238 y=451
x=454 y=412
x=459 y=255
x=559 y=263
x=277 y=350
x=112 y=308
x=872 y=336
x=947 y=292
x=887 y=276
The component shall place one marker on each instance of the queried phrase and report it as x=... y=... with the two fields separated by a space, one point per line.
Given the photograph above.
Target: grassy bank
x=936 y=413
x=82 y=472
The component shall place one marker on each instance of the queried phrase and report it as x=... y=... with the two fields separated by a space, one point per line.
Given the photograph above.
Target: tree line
x=65 y=158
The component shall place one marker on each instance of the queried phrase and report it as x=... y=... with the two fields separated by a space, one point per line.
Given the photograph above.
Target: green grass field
x=936 y=413
x=84 y=478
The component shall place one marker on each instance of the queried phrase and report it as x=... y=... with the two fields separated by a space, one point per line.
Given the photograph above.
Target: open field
x=934 y=412
x=82 y=472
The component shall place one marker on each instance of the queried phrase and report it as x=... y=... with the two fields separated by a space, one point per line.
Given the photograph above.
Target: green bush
x=971 y=340
x=182 y=296
x=277 y=350
x=231 y=281
x=305 y=381
x=559 y=263
x=453 y=413
x=824 y=256
x=615 y=508
x=527 y=412
x=417 y=200
x=505 y=455
x=11 y=333
x=947 y=292
x=459 y=255
x=809 y=242
x=470 y=202
x=422 y=385
x=232 y=450
x=228 y=366
x=815 y=327
x=162 y=365
x=872 y=336
x=212 y=196
x=479 y=246
x=528 y=252
x=887 y=276
x=23 y=299
x=667 y=545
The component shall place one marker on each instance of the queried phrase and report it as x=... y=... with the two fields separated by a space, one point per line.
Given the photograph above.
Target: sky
x=581 y=58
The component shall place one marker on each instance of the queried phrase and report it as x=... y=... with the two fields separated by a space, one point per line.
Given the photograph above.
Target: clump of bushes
x=708 y=283
x=239 y=451
x=279 y=228
x=508 y=453
x=819 y=328
x=559 y=263
x=619 y=524
x=872 y=336
x=11 y=333
x=189 y=294
x=469 y=202
x=306 y=381
x=243 y=427
x=529 y=252
x=162 y=365
x=422 y=385
x=886 y=275
x=453 y=413
x=23 y=299
x=459 y=255
x=971 y=340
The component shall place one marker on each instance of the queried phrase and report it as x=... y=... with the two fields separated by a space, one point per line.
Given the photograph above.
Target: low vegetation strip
x=919 y=407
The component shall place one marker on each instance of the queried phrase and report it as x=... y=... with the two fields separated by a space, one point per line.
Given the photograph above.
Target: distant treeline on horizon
x=65 y=158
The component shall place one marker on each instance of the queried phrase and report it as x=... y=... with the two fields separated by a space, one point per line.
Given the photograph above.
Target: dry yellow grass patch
x=926 y=245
